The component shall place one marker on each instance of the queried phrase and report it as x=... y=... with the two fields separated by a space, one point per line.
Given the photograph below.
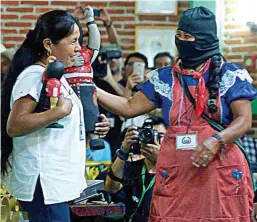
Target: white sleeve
x=28 y=84
x=94 y=38
x=95 y=53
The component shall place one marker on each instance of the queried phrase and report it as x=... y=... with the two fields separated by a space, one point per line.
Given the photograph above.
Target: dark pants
x=39 y=212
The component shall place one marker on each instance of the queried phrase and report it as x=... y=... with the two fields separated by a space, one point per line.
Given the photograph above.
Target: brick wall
x=239 y=41
x=20 y=16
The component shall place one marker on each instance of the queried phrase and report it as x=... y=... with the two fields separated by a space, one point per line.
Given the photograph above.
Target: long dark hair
x=54 y=25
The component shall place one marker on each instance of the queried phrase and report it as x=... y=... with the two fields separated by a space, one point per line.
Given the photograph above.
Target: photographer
x=135 y=67
x=103 y=74
x=115 y=63
x=104 y=79
x=162 y=59
x=131 y=179
x=132 y=77
x=104 y=16
x=6 y=58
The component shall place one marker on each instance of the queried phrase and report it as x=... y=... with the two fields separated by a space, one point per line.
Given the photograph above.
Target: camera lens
x=146 y=135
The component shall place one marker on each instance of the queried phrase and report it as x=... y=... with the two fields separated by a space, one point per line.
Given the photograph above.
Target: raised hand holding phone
x=139 y=69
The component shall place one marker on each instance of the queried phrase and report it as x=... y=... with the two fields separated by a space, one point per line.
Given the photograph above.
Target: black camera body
x=146 y=133
x=110 y=52
x=100 y=64
x=97 y=12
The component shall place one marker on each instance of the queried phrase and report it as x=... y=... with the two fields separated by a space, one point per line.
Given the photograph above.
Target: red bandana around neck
x=201 y=84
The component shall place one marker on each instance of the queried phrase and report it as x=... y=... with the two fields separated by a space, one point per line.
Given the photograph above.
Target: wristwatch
x=122 y=155
x=108 y=26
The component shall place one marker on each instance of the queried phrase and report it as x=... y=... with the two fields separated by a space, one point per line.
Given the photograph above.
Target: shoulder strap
x=213 y=123
x=216 y=125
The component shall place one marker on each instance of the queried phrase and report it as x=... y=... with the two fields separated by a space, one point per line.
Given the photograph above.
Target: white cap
x=9 y=53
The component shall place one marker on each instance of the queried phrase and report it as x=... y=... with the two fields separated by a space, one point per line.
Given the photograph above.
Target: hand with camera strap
x=131 y=138
x=116 y=172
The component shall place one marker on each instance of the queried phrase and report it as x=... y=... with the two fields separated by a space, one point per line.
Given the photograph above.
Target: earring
x=49 y=53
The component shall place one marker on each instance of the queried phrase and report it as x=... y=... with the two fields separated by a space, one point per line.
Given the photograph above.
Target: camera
x=146 y=135
x=97 y=12
x=107 y=53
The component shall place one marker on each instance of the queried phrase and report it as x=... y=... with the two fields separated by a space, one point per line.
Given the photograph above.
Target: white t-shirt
x=56 y=155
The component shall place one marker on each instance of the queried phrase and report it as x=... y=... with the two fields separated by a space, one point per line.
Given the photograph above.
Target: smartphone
x=97 y=12
x=139 y=68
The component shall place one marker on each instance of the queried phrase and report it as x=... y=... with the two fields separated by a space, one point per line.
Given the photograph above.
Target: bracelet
x=113 y=177
x=108 y=26
x=123 y=156
x=122 y=150
x=219 y=138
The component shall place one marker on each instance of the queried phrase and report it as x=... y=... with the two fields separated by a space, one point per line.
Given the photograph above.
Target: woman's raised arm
x=135 y=106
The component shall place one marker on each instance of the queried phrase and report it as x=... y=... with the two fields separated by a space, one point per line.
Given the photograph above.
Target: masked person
x=201 y=175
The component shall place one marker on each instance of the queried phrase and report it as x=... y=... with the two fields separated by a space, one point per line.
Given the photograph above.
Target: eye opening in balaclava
x=181 y=32
x=200 y=23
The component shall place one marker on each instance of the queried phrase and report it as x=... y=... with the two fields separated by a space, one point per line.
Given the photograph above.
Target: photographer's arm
x=111 y=31
x=117 y=168
x=119 y=89
x=112 y=34
x=127 y=91
x=135 y=106
x=132 y=81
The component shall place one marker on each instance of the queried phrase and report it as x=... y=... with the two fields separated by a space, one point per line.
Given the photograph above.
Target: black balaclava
x=199 y=22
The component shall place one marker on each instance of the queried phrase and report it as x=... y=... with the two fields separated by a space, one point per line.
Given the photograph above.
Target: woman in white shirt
x=44 y=167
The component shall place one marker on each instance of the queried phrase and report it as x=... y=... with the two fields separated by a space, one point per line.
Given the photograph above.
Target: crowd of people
x=172 y=135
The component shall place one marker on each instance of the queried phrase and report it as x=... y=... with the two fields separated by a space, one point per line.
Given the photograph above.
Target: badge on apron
x=186 y=141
